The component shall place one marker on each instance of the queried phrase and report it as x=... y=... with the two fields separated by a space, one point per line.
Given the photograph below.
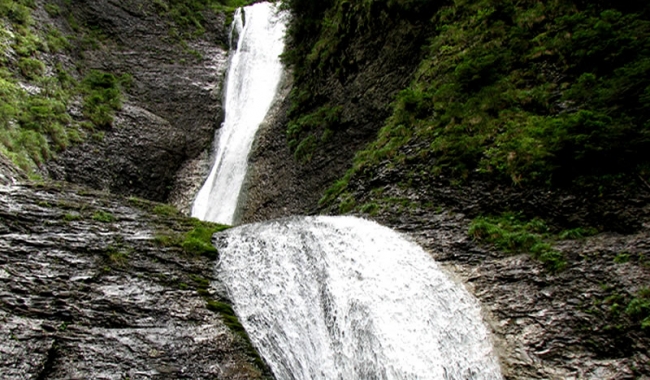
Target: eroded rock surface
x=172 y=107
x=86 y=292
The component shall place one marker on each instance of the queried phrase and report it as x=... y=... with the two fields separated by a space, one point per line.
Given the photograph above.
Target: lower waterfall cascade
x=345 y=298
x=253 y=77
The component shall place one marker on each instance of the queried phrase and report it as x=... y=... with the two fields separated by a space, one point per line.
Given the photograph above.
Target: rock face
x=547 y=325
x=380 y=65
x=86 y=292
x=565 y=325
x=172 y=108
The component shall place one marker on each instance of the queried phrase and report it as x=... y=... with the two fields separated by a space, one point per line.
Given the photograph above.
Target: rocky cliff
x=560 y=266
x=91 y=287
x=386 y=112
x=94 y=284
x=171 y=108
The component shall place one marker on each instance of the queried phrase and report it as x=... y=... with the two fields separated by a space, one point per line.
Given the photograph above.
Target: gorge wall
x=172 y=105
x=357 y=130
x=360 y=132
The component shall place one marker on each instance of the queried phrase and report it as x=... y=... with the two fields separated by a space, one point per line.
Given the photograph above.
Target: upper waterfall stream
x=345 y=298
x=253 y=77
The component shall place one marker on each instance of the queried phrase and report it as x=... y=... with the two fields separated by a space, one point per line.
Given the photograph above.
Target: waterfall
x=252 y=80
x=345 y=298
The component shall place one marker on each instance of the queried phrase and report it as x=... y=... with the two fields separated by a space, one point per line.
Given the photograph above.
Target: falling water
x=345 y=298
x=253 y=77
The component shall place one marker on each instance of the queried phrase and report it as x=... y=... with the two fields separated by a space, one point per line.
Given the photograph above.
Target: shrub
x=31 y=68
x=56 y=41
x=52 y=9
x=639 y=308
x=69 y=217
x=102 y=97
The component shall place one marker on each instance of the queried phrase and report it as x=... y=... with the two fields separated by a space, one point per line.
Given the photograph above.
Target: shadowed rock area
x=86 y=292
x=172 y=108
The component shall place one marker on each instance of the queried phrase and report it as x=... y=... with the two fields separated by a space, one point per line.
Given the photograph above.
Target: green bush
x=31 y=68
x=102 y=97
x=52 y=9
x=18 y=11
x=56 y=41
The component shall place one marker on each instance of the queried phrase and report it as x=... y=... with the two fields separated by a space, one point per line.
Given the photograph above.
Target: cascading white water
x=253 y=77
x=345 y=298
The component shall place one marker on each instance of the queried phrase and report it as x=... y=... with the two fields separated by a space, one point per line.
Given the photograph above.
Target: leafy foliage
x=102 y=96
x=526 y=92
x=639 y=308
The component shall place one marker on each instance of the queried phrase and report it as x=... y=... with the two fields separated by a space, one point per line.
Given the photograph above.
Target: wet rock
x=9 y=173
x=86 y=296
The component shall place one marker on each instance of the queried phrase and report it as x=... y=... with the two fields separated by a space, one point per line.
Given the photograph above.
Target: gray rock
x=172 y=108
x=82 y=298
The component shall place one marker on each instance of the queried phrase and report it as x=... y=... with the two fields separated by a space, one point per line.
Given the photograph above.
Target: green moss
x=578 y=233
x=510 y=232
x=196 y=241
x=165 y=210
x=103 y=216
x=622 y=258
x=232 y=322
x=69 y=217
x=116 y=256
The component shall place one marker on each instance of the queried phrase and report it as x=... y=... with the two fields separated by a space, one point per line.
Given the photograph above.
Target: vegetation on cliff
x=187 y=18
x=531 y=93
x=39 y=92
x=542 y=108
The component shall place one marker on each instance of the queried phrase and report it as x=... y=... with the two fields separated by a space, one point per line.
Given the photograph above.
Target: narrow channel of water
x=252 y=81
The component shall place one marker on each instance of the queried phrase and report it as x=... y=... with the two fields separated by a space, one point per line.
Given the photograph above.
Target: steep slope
x=115 y=95
x=509 y=138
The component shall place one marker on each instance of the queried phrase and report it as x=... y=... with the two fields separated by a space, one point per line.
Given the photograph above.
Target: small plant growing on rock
x=103 y=216
x=69 y=217
x=511 y=233
x=639 y=308
x=165 y=210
